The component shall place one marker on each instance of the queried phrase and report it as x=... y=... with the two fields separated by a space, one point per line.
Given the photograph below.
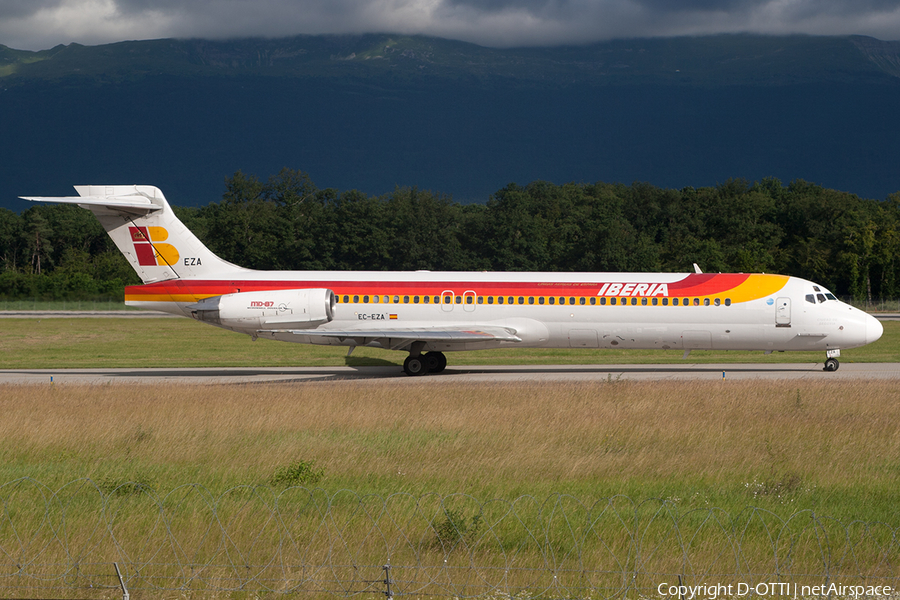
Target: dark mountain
x=375 y=111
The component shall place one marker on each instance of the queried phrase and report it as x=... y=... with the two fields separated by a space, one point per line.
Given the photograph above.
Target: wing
x=400 y=338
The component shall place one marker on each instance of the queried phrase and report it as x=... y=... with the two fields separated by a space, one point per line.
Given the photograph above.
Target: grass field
x=179 y=342
x=832 y=447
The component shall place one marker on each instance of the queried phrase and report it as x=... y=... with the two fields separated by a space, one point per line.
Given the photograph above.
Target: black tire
x=435 y=362
x=414 y=366
x=831 y=364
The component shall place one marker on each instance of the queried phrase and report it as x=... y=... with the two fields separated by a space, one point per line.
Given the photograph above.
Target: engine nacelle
x=277 y=309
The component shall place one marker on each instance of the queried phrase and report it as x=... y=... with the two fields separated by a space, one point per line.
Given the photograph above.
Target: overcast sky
x=39 y=24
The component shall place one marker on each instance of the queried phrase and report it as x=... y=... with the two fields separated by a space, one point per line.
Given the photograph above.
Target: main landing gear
x=422 y=364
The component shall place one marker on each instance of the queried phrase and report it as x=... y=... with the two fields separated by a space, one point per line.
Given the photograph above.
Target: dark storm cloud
x=15 y=9
x=35 y=24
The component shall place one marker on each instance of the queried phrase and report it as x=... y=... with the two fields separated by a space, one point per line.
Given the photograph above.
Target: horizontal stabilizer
x=133 y=204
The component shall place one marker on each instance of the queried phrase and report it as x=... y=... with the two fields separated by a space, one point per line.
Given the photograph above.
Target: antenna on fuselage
x=697 y=269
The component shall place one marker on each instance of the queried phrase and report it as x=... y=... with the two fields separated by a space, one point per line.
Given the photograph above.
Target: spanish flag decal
x=393 y=317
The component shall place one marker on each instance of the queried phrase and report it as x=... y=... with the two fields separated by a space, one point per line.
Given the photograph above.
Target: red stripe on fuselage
x=691 y=285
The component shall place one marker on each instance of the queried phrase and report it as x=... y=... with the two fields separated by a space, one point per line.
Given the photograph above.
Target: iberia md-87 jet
x=428 y=313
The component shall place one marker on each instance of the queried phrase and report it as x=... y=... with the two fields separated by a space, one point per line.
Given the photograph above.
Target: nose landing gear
x=831 y=359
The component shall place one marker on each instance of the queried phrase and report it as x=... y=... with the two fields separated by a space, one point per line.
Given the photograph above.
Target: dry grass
x=811 y=443
x=829 y=446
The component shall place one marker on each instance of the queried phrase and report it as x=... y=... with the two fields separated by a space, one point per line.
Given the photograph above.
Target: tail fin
x=143 y=226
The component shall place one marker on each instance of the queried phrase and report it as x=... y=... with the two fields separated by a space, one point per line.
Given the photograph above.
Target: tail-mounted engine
x=250 y=312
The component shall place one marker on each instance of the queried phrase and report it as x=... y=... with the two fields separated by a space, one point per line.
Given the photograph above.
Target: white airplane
x=428 y=313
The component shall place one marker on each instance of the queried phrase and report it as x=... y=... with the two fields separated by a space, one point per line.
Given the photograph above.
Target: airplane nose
x=874 y=329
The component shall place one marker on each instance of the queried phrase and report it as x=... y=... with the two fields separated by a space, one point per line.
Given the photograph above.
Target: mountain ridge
x=730 y=59
x=374 y=112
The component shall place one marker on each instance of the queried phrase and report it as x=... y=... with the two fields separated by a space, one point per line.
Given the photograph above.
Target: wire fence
x=317 y=544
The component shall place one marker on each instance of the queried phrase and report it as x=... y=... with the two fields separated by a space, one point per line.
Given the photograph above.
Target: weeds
x=456 y=530
x=301 y=473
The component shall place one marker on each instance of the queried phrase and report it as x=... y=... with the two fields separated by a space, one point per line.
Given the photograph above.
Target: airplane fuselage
x=551 y=310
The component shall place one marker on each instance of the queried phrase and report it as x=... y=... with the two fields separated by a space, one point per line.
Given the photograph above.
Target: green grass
x=63 y=305
x=60 y=343
x=785 y=447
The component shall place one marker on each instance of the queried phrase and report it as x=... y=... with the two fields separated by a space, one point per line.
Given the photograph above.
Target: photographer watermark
x=769 y=589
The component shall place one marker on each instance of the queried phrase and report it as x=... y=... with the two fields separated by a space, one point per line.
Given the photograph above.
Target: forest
x=842 y=241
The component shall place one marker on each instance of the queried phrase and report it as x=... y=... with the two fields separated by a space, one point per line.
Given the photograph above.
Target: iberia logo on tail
x=150 y=250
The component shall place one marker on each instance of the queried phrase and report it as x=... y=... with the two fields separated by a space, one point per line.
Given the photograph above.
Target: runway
x=473 y=374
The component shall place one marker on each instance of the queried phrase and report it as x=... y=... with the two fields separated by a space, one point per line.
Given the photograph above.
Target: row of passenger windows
x=541 y=300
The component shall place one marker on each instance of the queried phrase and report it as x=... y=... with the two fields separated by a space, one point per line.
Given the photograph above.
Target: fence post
x=125 y=595
x=387 y=582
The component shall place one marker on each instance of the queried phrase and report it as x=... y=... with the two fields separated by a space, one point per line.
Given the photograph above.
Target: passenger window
x=405 y=299
x=541 y=300
x=499 y=299
x=396 y=299
x=655 y=301
x=552 y=300
x=437 y=299
x=426 y=299
x=571 y=300
x=480 y=299
x=674 y=301
x=530 y=299
x=643 y=302
x=521 y=300
x=375 y=299
x=581 y=301
x=365 y=299
x=459 y=299
x=602 y=301
x=415 y=299
x=634 y=301
x=665 y=301
x=612 y=301
x=355 y=299
x=490 y=299
x=727 y=301
x=706 y=302
x=562 y=300
x=718 y=302
x=469 y=299
x=593 y=300
x=346 y=299
x=696 y=301
x=509 y=300
x=448 y=299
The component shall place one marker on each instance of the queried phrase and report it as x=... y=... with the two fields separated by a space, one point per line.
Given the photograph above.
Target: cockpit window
x=816 y=288
x=811 y=298
x=820 y=297
x=830 y=296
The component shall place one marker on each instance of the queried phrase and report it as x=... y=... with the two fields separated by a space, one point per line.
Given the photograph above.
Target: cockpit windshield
x=821 y=295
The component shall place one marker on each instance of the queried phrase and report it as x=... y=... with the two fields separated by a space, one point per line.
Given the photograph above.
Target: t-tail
x=146 y=230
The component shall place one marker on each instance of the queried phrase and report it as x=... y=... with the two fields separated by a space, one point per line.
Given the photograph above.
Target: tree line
x=844 y=242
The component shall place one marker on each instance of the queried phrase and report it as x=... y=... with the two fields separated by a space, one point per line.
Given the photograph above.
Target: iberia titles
x=634 y=289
